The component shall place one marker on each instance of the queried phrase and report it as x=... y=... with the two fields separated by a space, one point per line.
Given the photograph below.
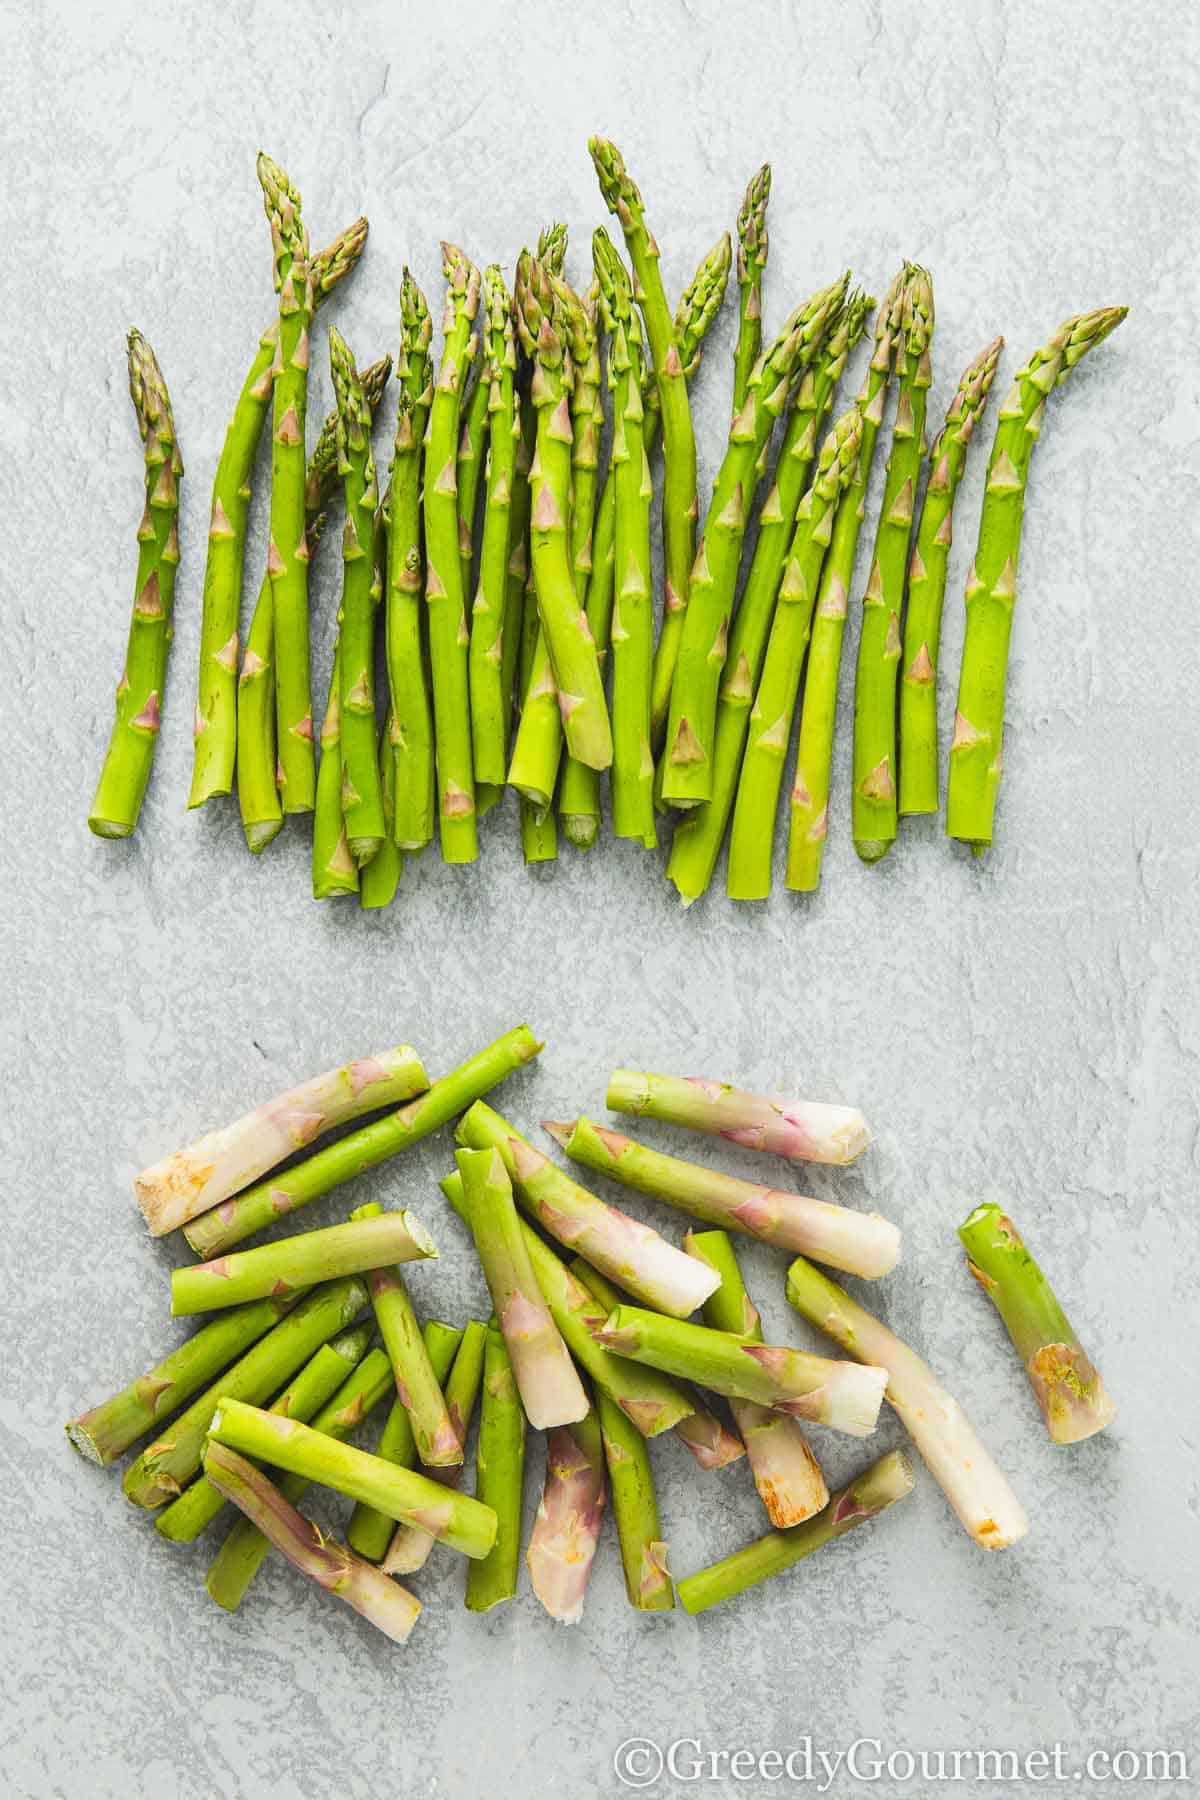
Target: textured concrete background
x=1025 y=1027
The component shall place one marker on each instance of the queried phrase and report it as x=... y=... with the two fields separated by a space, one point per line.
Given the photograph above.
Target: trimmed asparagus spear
x=223 y=1226
x=838 y=1394
x=381 y=877
x=631 y=1254
x=418 y=1387
x=550 y=1389
x=579 y=799
x=635 y=1509
x=409 y=1546
x=204 y=1173
x=241 y=1556
x=370 y=1531
x=802 y=1130
x=986 y=1506
x=786 y=1473
x=166 y=1465
x=491 y=703
x=299 y=1262
x=562 y=1544
x=976 y=749
x=499 y=1477
x=412 y=824
x=538 y=744
x=857 y=1243
x=126 y=769
x=334 y=870
x=753 y=243
x=103 y=1432
x=927 y=587
x=388 y=1606
x=872 y=1492
x=1066 y=1383
x=302 y=1399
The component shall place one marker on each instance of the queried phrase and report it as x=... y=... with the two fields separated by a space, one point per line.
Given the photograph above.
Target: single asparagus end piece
x=806 y=1131
x=1068 y=1387
x=563 y=1541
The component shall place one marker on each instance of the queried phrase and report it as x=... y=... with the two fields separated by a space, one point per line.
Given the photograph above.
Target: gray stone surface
x=1025 y=1027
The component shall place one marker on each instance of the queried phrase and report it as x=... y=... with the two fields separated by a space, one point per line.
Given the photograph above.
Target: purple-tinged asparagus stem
x=562 y=1544
x=300 y=1262
x=370 y=1531
x=418 y=1387
x=410 y=1545
x=802 y=1130
x=635 y=1509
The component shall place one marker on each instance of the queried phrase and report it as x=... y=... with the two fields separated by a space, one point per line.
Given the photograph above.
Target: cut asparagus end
x=566 y=1530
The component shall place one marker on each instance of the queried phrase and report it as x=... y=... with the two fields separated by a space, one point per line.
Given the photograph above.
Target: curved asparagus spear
x=870 y=1493
x=334 y=870
x=627 y=1252
x=927 y=587
x=635 y=1509
x=985 y=1504
x=264 y=1204
x=786 y=1473
x=499 y=1477
x=412 y=822
x=802 y=1130
x=875 y=681
x=491 y=704
x=369 y=1531
x=1066 y=1383
x=579 y=800
x=218 y=1164
x=418 y=1386
x=218 y=702
x=752 y=260
x=126 y=769
x=562 y=1544
x=976 y=749
x=409 y=1546
x=298 y=1262
x=857 y=1243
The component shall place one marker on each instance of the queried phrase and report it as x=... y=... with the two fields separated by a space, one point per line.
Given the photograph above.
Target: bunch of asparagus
x=592 y=1341
x=536 y=573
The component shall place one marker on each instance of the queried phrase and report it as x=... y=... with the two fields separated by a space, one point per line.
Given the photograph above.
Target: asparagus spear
x=241 y=1555
x=412 y=824
x=222 y=1227
x=167 y=1464
x=985 y=1504
x=381 y=877
x=538 y=744
x=579 y=799
x=624 y=201
x=370 y=1531
x=874 y=794
x=858 y=1243
x=752 y=260
x=409 y=1546
x=418 y=1386
x=802 y=1130
x=299 y=1262
x=305 y=1395
x=499 y=1477
x=786 y=1473
x=1066 y=1383
x=629 y=1253
x=388 y=1606
x=472 y=454
x=635 y=1509
x=217 y=1165
x=219 y=698
x=837 y=1394
x=454 y=1519
x=752 y=839
x=334 y=869
x=872 y=1492
x=687 y=772
x=126 y=769
x=927 y=587
x=491 y=703
x=976 y=749
x=562 y=1544
x=550 y=1389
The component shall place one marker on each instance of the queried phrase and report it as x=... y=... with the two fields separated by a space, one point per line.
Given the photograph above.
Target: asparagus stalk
x=201 y=1175
x=370 y=1531
x=753 y=244
x=927 y=587
x=499 y=1477
x=550 y=1389
x=752 y=840
x=388 y=1606
x=314 y=1385
x=418 y=1386
x=691 y=727
x=976 y=749
x=837 y=1394
x=1066 y=1383
x=126 y=769
x=857 y=1243
x=334 y=869
x=653 y=1402
x=875 y=683
x=381 y=877
x=802 y=1130
x=629 y=1253
x=455 y=1519
x=299 y=1262
x=409 y=1546
x=537 y=747
x=103 y=1432
x=472 y=454
x=985 y=1504
x=219 y=700
x=491 y=702
x=786 y=1473
x=412 y=824
x=222 y=1227
x=872 y=1492
x=168 y=1464
x=579 y=799
x=241 y=1555
x=635 y=1509
x=562 y=1544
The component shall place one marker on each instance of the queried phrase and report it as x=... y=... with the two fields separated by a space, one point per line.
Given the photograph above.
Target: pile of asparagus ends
x=604 y=1335
x=502 y=562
